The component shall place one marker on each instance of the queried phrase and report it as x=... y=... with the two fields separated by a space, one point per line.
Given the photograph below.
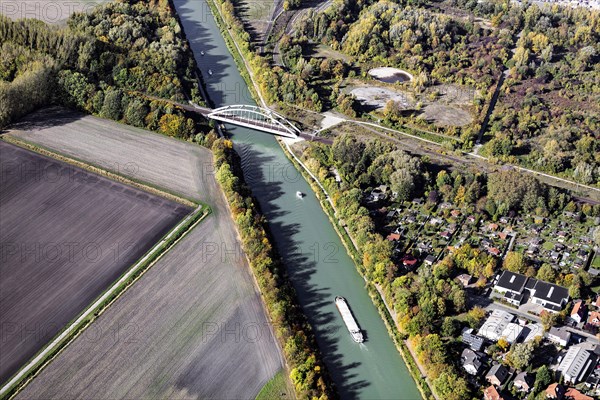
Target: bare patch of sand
x=377 y=97
x=444 y=115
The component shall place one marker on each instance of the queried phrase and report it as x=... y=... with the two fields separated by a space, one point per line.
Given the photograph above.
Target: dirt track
x=65 y=235
x=193 y=326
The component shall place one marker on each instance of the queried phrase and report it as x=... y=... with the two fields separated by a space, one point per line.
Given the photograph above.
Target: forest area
x=547 y=114
x=106 y=62
x=432 y=306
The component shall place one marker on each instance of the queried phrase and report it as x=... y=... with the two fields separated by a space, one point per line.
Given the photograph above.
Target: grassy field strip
x=277 y=388
x=98 y=170
x=153 y=255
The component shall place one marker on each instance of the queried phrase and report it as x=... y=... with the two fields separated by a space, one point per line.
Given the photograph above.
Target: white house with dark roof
x=472 y=362
x=510 y=282
x=514 y=286
x=550 y=296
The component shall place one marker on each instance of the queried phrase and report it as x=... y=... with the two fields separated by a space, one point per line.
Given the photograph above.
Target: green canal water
x=318 y=264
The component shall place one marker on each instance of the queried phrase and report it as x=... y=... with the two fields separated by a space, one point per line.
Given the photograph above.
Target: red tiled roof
x=490 y=393
x=576 y=308
x=393 y=236
x=574 y=394
x=594 y=318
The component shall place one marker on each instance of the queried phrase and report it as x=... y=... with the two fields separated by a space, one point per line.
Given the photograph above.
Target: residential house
x=409 y=262
x=578 y=312
x=473 y=341
x=455 y=213
x=436 y=221
x=560 y=336
x=393 y=237
x=494 y=251
x=550 y=296
x=594 y=319
x=471 y=362
x=430 y=259
x=555 y=391
x=464 y=279
x=523 y=382
x=574 y=394
x=510 y=282
x=446 y=235
x=513 y=298
x=576 y=364
x=491 y=393
x=377 y=194
x=593 y=380
x=492 y=226
x=582 y=255
x=536 y=241
x=497 y=375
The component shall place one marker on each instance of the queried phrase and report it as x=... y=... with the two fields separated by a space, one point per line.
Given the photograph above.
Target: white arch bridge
x=255 y=117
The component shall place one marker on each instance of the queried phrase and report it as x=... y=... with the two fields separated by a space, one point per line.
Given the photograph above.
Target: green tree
x=515 y=262
x=135 y=113
x=546 y=273
x=521 y=354
x=111 y=107
x=543 y=378
x=403 y=183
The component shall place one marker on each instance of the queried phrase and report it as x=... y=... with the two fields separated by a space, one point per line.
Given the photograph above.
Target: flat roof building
x=495 y=325
x=576 y=364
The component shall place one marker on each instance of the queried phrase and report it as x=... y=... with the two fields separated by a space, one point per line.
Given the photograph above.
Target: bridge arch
x=255 y=117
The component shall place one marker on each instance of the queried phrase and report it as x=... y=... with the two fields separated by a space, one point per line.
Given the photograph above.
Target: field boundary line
x=98 y=170
x=44 y=357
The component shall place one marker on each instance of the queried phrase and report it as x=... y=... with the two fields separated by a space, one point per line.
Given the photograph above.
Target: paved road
x=486 y=303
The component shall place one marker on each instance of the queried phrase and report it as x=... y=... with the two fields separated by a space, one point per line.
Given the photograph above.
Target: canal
x=316 y=260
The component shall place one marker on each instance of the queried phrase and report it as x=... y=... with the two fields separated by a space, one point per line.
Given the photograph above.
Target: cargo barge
x=349 y=320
